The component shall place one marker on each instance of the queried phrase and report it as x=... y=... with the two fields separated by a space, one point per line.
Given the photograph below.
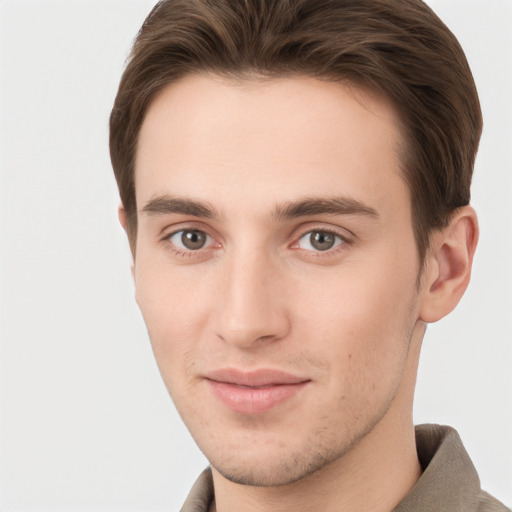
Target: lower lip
x=248 y=400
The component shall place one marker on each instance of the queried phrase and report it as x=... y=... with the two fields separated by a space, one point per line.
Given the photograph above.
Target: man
x=294 y=178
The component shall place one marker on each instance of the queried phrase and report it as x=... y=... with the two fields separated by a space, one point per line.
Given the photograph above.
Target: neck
x=375 y=475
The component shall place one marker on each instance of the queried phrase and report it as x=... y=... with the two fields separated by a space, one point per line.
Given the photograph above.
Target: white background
x=86 y=423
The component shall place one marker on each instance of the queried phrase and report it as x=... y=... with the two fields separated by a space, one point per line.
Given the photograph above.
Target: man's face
x=276 y=269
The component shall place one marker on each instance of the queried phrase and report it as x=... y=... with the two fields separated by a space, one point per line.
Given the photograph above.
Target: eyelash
x=184 y=252
x=341 y=242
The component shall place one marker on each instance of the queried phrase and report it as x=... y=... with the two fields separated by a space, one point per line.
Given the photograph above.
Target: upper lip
x=254 y=378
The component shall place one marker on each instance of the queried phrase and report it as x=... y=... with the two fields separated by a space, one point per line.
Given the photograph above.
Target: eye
x=190 y=239
x=319 y=241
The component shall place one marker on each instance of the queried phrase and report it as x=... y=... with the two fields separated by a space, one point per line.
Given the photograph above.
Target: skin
x=225 y=161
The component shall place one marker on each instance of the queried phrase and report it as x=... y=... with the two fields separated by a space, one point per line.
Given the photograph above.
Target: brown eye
x=320 y=241
x=193 y=239
x=190 y=239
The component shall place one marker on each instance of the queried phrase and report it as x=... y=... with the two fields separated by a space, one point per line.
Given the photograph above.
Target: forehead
x=208 y=136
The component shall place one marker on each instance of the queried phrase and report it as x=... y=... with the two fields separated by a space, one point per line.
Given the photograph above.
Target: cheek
x=362 y=321
x=167 y=295
x=174 y=310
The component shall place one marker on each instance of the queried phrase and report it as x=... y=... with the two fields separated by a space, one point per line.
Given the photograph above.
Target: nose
x=251 y=307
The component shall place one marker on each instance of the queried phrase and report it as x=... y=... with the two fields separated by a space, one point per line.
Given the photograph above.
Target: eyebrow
x=164 y=205
x=323 y=206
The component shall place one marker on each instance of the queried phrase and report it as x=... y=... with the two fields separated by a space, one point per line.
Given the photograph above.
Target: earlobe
x=448 y=265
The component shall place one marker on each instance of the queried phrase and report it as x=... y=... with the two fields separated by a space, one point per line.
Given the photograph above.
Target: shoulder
x=487 y=503
x=449 y=482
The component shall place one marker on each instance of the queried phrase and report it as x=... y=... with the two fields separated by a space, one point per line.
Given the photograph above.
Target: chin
x=282 y=465
x=279 y=473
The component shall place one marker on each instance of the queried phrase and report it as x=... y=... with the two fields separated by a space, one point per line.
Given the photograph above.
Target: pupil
x=193 y=239
x=322 y=241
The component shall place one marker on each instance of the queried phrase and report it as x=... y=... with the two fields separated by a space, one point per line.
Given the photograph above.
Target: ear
x=121 y=213
x=448 y=265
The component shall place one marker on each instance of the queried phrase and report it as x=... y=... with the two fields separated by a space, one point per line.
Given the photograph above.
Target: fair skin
x=276 y=269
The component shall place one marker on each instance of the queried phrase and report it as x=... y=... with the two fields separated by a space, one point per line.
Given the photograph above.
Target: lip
x=254 y=392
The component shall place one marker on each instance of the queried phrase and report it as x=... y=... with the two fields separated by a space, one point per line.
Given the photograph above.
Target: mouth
x=254 y=392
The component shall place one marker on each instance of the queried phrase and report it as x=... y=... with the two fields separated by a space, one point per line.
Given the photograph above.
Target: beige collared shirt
x=449 y=482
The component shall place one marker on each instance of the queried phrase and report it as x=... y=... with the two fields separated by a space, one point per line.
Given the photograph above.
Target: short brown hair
x=399 y=47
